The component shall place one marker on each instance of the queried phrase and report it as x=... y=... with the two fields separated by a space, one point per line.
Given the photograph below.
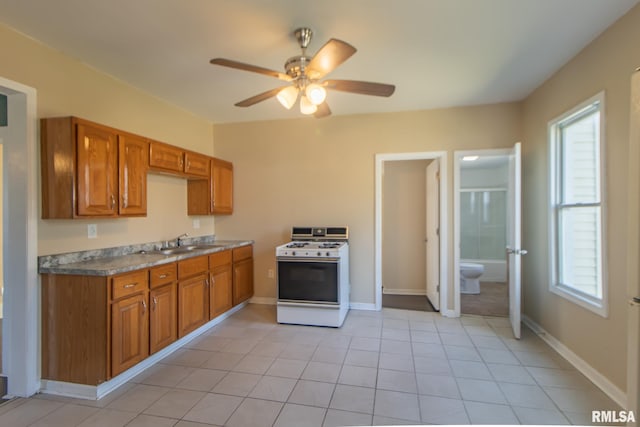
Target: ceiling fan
x=304 y=75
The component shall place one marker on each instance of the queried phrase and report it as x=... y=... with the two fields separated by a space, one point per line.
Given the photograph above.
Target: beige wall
x=317 y=172
x=404 y=227
x=67 y=87
x=606 y=64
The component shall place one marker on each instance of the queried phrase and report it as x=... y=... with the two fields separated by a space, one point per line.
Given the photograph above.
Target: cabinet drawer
x=163 y=274
x=129 y=284
x=192 y=266
x=219 y=259
x=242 y=252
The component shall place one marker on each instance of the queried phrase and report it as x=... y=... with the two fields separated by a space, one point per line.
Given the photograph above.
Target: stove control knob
x=293 y=253
x=319 y=253
x=328 y=254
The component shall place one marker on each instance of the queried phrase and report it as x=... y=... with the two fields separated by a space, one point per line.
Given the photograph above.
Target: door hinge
x=438 y=288
x=437 y=231
x=438 y=175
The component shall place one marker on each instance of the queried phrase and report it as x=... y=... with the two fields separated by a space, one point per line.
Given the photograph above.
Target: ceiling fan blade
x=248 y=67
x=322 y=111
x=259 y=97
x=333 y=53
x=363 y=88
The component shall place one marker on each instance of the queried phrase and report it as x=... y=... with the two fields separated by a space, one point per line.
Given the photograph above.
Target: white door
x=432 y=239
x=514 y=251
x=633 y=286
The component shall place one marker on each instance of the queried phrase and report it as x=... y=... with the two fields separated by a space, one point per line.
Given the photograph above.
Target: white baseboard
x=394 y=291
x=610 y=389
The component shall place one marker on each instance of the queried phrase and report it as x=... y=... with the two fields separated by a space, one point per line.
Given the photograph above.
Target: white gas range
x=313 y=277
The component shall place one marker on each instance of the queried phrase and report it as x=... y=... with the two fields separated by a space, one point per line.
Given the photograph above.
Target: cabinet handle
x=155 y=303
x=213 y=280
x=181 y=162
x=113 y=202
x=189 y=164
x=144 y=307
x=206 y=282
x=163 y=276
x=130 y=285
x=124 y=202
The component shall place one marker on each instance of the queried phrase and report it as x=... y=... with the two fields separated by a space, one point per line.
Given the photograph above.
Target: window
x=577 y=207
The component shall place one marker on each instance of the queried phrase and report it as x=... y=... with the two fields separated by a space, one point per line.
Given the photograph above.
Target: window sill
x=598 y=307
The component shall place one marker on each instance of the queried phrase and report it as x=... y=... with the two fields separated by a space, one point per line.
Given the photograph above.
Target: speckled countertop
x=111 y=261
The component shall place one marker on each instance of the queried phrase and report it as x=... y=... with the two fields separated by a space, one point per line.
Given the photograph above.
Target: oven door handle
x=309 y=259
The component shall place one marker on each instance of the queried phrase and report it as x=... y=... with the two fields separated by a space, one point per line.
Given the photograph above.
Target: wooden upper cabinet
x=213 y=195
x=166 y=158
x=133 y=164
x=97 y=164
x=196 y=164
x=222 y=180
x=91 y=170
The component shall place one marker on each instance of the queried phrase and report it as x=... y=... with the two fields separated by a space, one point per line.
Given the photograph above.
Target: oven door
x=309 y=280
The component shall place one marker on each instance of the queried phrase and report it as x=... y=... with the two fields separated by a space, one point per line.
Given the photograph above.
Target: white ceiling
x=438 y=53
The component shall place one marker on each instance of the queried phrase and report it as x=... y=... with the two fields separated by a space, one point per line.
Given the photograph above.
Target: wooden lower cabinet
x=242 y=274
x=129 y=332
x=96 y=327
x=163 y=317
x=193 y=294
x=221 y=283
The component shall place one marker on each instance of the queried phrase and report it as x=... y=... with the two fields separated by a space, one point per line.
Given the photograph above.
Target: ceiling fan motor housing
x=296 y=65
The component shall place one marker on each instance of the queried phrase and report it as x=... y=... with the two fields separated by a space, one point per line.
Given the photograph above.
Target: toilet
x=470 y=277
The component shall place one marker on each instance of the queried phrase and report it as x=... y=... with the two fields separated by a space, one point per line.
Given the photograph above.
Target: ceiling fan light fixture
x=315 y=93
x=306 y=106
x=288 y=96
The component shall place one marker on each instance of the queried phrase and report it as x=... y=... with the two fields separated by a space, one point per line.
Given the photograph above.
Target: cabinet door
x=97 y=174
x=129 y=332
x=163 y=317
x=197 y=164
x=133 y=161
x=222 y=187
x=193 y=304
x=242 y=280
x=220 y=291
x=165 y=157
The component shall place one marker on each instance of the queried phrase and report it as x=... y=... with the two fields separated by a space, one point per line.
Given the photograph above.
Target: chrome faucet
x=178 y=239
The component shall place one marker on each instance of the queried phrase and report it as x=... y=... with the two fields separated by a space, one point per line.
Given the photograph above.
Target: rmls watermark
x=608 y=417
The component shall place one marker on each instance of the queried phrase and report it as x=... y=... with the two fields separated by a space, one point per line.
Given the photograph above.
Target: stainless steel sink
x=177 y=250
x=187 y=249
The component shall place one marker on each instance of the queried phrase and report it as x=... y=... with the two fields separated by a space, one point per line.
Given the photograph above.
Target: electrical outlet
x=270 y=273
x=92 y=231
x=196 y=223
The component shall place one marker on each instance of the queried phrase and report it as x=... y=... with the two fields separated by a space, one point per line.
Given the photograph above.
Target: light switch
x=92 y=231
x=196 y=223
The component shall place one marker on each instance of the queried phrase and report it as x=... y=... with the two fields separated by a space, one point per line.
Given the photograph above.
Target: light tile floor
x=392 y=367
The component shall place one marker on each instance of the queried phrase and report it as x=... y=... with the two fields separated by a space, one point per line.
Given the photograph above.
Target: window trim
x=599 y=306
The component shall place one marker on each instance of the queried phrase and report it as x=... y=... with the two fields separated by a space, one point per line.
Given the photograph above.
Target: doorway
x=20 y=355
x=490 y=200
x=482 y=201
x=404 y=253
x=419 y=162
